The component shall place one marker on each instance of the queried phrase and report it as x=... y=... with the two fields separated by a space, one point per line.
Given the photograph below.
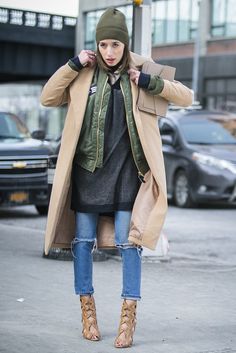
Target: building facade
x=178 y=28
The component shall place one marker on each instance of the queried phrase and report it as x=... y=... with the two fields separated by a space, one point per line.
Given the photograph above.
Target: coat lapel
x=79 y=93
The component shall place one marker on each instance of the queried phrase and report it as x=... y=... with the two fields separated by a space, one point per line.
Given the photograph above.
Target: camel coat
x=150 y=207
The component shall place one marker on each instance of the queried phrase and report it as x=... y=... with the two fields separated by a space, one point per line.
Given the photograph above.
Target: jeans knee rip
x=139 y=250
x=77 y=240
x=131 y=246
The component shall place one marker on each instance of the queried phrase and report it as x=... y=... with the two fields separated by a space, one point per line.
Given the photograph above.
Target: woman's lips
x=110 y=61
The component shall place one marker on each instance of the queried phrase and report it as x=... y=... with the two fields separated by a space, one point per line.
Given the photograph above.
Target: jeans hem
x=130 y=297
x=83 y=293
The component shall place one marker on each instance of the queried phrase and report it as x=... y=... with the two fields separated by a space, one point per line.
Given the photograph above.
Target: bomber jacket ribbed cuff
x=144 y=80
x=75 y=63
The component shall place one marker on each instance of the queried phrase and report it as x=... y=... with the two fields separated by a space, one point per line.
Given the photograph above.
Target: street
x=188 y=297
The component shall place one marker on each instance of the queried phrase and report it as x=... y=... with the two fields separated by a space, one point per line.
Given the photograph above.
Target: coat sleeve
x=55 y=91
x=177 y=93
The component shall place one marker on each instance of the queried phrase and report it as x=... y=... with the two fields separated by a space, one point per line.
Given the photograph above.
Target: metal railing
x=35 y=19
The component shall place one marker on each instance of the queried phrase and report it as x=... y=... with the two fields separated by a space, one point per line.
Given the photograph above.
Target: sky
x=59 y=7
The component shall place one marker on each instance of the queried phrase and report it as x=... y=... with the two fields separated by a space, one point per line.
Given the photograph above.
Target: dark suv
x=23 y=164
x=199 y=150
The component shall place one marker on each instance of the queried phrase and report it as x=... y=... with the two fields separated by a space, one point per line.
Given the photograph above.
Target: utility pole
x=142 y=27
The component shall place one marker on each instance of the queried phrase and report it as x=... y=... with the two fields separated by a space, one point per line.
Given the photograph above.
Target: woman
x=110 y=164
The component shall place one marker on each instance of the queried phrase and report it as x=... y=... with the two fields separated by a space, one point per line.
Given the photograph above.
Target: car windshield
x=12 y=127
x=212 y=129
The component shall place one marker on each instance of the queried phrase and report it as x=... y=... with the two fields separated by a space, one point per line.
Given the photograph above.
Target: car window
x=211 y=130
x=12 y=127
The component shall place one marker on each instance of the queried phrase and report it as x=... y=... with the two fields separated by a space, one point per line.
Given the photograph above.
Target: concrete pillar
x=204 y=25
x=200 y=48
x=79 y=32
x=204 y=35
x=142 y=29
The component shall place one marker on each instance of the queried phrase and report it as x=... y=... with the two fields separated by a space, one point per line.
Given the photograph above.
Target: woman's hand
x=87 y=57
x=134 y=75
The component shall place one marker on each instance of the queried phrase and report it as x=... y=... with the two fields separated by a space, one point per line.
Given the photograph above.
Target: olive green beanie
x=112 y=25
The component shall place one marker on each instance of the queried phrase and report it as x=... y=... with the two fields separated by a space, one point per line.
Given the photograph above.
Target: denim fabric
x=82 y=247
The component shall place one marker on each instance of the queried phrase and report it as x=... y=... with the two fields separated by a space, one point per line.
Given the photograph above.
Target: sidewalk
x=186 y=307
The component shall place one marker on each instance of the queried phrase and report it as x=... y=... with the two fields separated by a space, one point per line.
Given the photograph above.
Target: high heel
x=127 y=325
x=89 y=320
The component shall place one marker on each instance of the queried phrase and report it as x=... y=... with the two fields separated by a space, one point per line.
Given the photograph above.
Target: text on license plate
x=19 y=196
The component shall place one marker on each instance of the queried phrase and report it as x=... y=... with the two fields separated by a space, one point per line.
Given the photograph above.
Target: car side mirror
x=38 y=134
x=167 y=140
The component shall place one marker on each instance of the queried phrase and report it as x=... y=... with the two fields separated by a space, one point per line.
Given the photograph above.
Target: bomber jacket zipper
x=140 y=174
x=99 y=124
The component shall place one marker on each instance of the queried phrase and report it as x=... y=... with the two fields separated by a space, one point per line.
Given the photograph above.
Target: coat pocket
x=150 y=104
x=154 y=104
x=146 y=102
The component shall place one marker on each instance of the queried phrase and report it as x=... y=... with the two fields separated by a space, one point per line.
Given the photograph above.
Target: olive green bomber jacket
x=89 y=151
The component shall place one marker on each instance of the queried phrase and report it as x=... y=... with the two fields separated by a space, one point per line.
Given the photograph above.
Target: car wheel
x=42 y=210
x=182 y=193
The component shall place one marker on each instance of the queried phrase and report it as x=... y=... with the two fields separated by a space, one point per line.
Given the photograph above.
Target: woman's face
x=111 y=51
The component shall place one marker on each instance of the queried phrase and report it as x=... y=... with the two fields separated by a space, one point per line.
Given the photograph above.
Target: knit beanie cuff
x=112 y=33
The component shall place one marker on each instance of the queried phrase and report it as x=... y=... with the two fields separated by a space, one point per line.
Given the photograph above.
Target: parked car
x=199 y=150
x=23 y=164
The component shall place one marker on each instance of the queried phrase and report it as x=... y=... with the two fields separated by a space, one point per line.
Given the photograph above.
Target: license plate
x=51 y=172
x=19 y=196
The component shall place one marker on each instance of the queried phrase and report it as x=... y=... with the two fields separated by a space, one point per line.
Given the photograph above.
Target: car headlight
x=214 y=162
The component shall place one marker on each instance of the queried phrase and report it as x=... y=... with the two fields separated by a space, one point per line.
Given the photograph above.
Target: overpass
x=33 y=44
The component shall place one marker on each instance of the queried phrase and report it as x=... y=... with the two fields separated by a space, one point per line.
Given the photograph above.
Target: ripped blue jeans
x=82 y=247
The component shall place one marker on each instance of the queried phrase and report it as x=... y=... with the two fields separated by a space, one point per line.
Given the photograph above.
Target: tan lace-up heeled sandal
x=89 y=320
x=127 y=325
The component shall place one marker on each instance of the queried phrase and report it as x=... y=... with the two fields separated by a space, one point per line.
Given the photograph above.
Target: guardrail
x=35 y=19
